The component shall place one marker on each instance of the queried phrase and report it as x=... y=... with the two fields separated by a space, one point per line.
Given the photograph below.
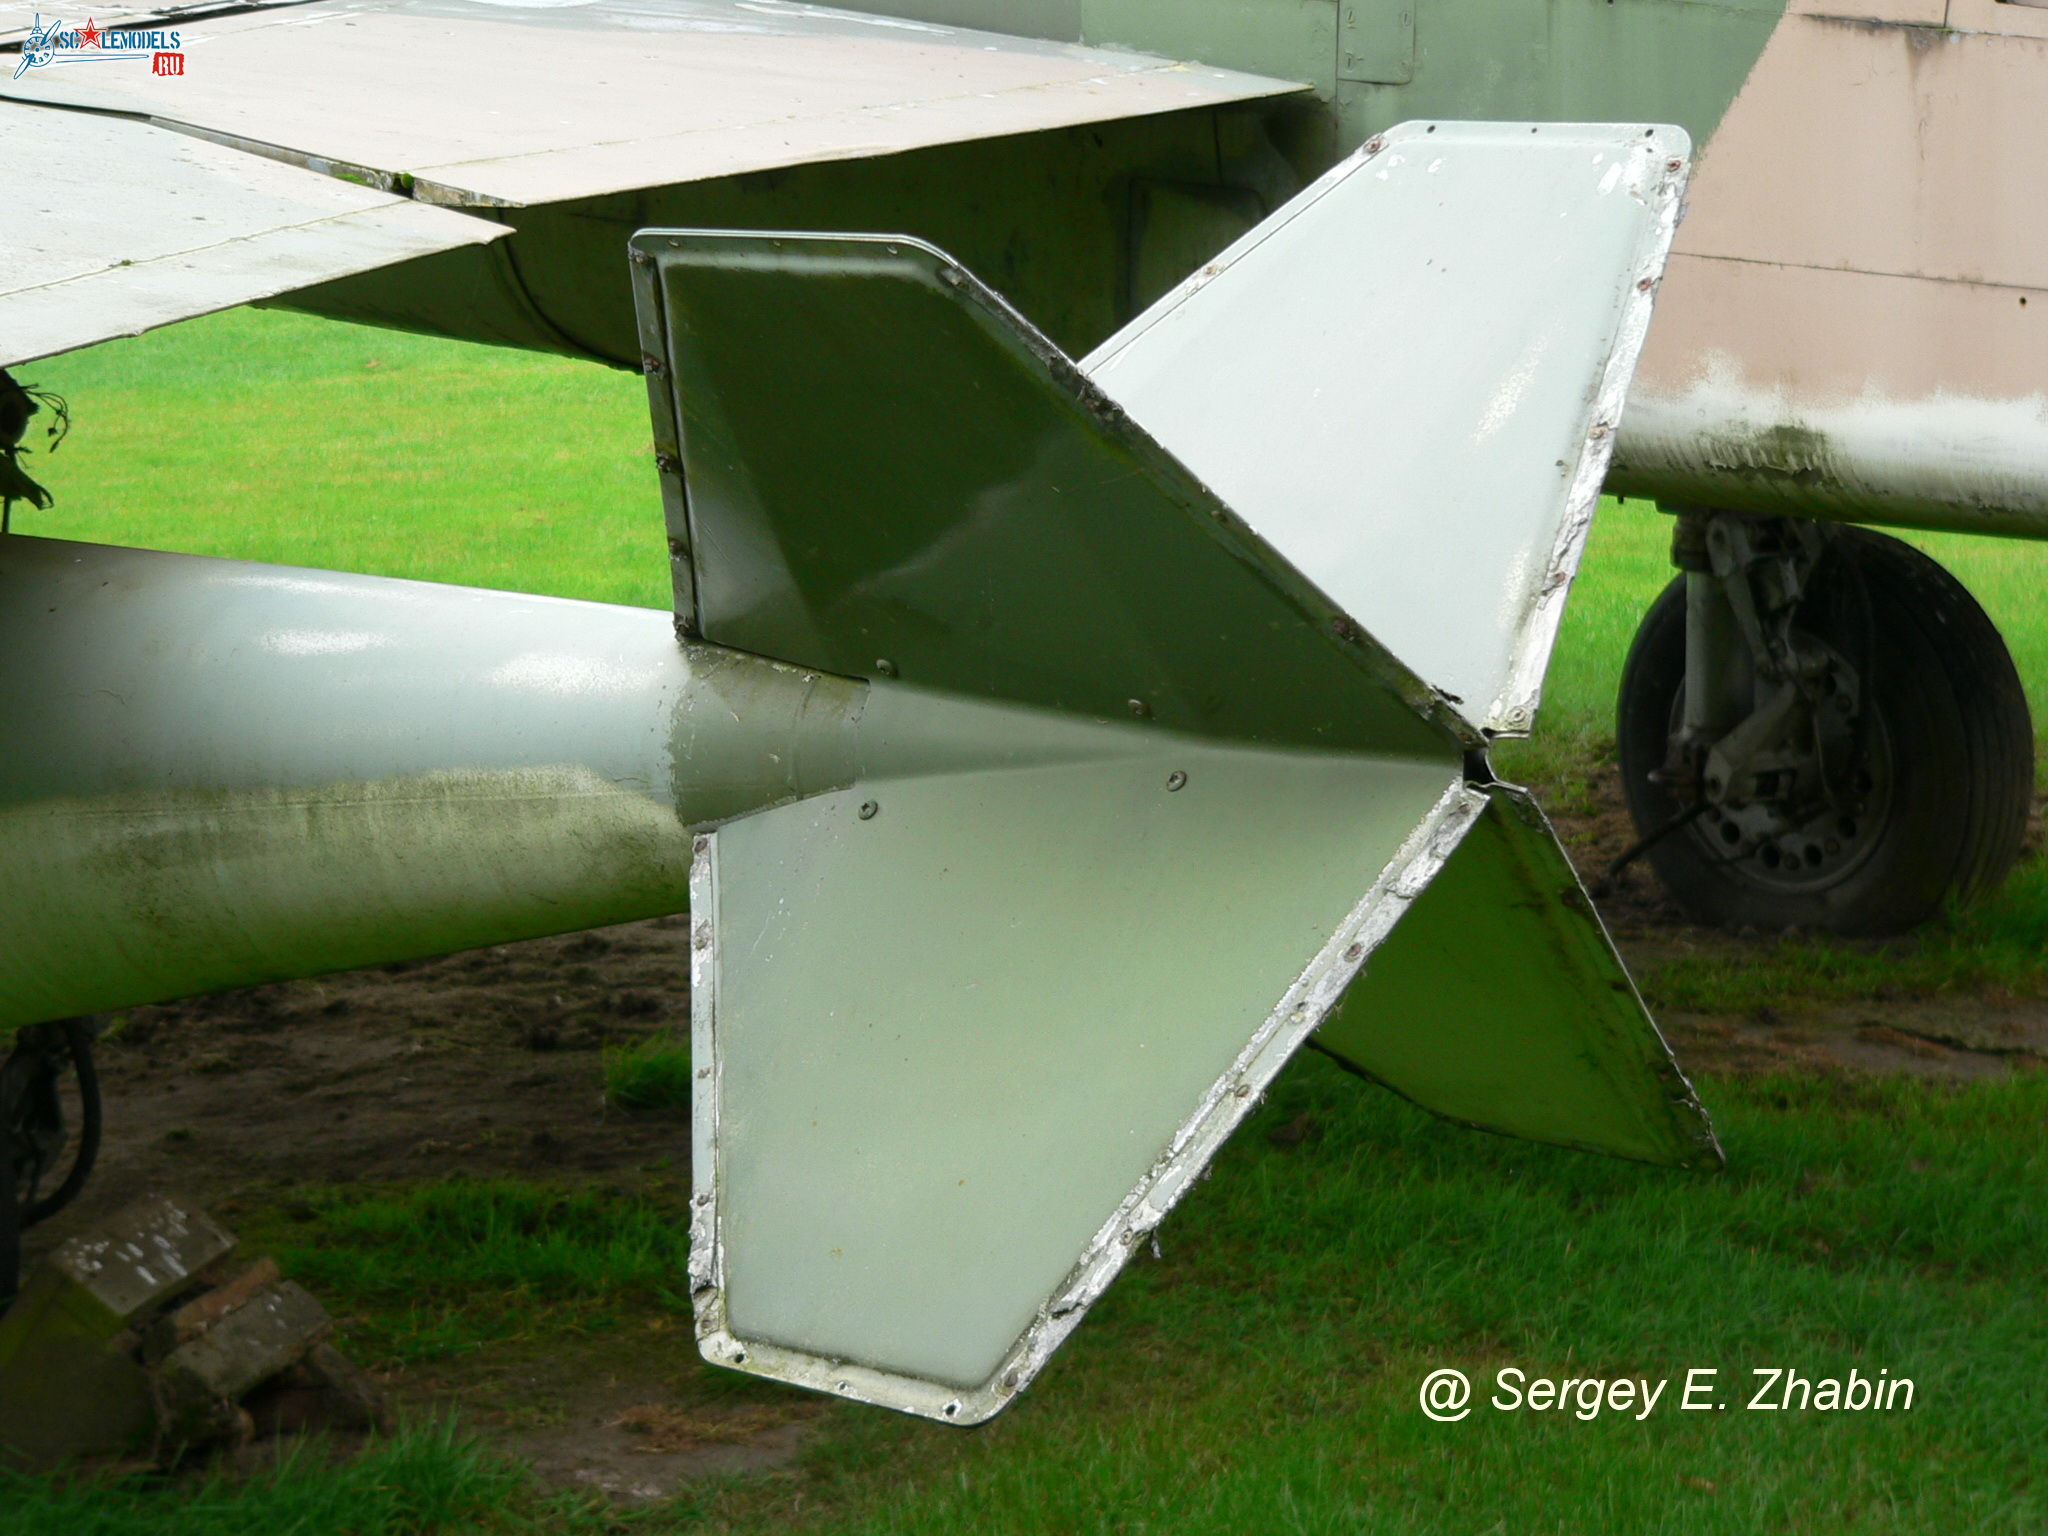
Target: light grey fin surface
x=954 y=505
x=1500 y=1002
x=166 y=227
x=972 y=1032
x=1407 y=380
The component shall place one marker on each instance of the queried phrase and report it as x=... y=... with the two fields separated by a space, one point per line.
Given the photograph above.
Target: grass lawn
x=1260 y=1375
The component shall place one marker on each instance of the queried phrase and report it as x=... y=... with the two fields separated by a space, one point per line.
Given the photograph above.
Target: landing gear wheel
x=1932 y=800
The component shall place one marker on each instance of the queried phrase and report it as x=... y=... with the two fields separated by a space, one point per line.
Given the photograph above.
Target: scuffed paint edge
x=1948 y=460
x=1305 y=1004
x=1665 y=154
x=1663 y=157
x=707 y=1264
x=650 y=318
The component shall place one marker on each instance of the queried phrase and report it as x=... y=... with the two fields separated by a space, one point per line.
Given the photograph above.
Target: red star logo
x=88 y=35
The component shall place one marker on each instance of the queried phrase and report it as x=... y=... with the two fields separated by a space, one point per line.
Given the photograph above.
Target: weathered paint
x=437 y=96
x=1854 y=320
x=1973 y=465
x=1010 y=1136
x=1553 y=1058
x=129 y=898
x=1266 y=374
x=84 y=258
x=972 y=514
x=220 y=773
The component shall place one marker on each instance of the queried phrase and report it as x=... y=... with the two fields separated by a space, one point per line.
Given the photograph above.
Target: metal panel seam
x=1222 y=1108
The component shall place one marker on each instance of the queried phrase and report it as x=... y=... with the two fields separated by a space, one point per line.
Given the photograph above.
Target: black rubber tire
x=1954 y=718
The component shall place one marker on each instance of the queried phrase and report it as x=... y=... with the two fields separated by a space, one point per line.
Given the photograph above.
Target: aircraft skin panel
x=913 y=1177
x=1280 y=373
x=18 y=26
x=167 y=226
x=1854 y=321
x=636 y=94
x=969 y=513
x=1572 y=1058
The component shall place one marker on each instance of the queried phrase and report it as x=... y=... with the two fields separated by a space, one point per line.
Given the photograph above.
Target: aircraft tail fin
x=1139 y=789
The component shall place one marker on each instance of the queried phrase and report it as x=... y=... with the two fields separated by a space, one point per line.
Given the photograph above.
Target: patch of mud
x=634 y=1419
x=487 y=1063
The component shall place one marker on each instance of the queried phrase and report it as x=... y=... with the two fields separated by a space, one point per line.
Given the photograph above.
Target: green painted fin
x=1499 y=1002
x=889 y=473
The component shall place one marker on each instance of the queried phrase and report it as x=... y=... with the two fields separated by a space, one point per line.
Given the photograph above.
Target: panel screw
x=650 y=365
x=1642 y=285
x=1674 y=164
x=678 y=548
x=868 y=809
x=1139 y=708
x=1176 y=780
x=702 y=845
x=1374 y=145
x=886 y=667
x=1343 y=628
x=1242 y=1091
x=1355 y=952
x=643 y=258
x=668 y=464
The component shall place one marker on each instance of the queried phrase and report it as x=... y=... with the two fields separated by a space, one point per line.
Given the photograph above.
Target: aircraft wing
x=479 y=102
x=117 y=226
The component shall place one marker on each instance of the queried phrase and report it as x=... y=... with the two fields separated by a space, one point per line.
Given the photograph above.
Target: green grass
x=1260 y=1375
x=271 y=436
x=448 y=1267
x=1997 y=947
x=651 y=1075
x=427 y=1480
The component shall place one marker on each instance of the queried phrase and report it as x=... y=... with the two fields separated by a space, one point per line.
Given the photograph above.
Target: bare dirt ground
x=489 y=1063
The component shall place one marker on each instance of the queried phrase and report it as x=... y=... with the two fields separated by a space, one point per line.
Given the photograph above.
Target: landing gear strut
x=34 y=1135
x=1825 y=725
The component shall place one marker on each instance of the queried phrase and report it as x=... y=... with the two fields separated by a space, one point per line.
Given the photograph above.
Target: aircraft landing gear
x=1825 y=728
x=34 y=1135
